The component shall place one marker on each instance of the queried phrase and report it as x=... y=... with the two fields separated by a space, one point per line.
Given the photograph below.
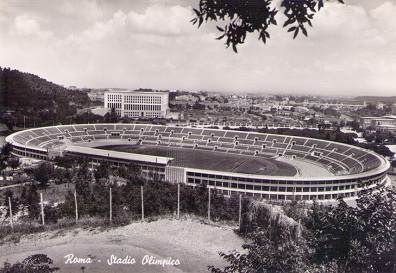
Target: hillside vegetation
x=28 y=99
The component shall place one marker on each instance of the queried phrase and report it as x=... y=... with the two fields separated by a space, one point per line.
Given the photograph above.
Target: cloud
x=162 y=20
x=24 y=25
x=110 y=28
x=152 y=43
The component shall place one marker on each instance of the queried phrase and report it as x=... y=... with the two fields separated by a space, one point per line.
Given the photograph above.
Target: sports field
x=211 y=160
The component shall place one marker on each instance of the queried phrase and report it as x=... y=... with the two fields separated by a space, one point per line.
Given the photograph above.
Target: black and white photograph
x=219 y=136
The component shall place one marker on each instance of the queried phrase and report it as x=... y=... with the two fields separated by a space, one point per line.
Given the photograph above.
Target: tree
x=43 y=173
x=37 y=263
x=31 y=201
x=267 y=254
x=13 y=162
x=102 y=171
x=393 y=164
x=248 y=16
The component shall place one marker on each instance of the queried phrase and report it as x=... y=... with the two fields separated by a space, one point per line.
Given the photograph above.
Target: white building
x=138 y=104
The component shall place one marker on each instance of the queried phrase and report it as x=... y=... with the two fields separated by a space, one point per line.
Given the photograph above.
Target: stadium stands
x=340 y=159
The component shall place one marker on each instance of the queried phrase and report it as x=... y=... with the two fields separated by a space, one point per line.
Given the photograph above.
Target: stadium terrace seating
x=233 y=151
x=254 y=135
x=151 y=137
x=358 y=153
x=247 y=153
x=324 y=161
x=177 y=130
x=187 y=146
x=203 y=148
x=93 y=133
x=195 y=137
x=160 y=129
x=132 y=132
x=53 y=130
x=97 y=137
x=298 y=141
x=212 y=144
x=339 y=148
x=279 y=145
x=120 y=127
x=291 y=153
x=260 y=143
x=288 y=140
x=163 y=134
x=350 y=152
x=76 y=139
x=176 y=135
x=226 y=140
x=207 y=132
x=188 y=140
x=44 y=139
x=319 y=144
x=51 y=144
x=233 y=134
x=264 y=155
x=246 y=141
x=227 y=145
x=88 y=137
x=40 y=132
x=277 y=138
x=269 y=150
x=76 y=134
x=101 y=127
x=349 y=161
x=338 y=158
x=68 y=128
x=310 y=157
x=140 y=126
x=164 y=144
x=301 y=148
x=193 y=131
x=335 y=167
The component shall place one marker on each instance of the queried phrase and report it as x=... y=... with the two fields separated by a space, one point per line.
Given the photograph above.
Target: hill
x=387 y=100
x=34 y=101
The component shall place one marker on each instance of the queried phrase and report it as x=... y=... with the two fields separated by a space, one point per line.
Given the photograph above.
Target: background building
x=138 y=104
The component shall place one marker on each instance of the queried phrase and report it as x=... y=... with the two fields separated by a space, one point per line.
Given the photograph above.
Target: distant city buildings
x=382 y=124
x=137 y=104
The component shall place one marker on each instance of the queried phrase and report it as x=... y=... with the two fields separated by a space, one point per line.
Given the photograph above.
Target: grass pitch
x=211 y=160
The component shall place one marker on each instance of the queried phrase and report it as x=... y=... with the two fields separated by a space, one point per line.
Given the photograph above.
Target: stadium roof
x=119 y=155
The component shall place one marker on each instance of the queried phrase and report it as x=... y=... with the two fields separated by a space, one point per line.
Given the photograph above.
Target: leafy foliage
x=379 y=149
x=43 y=173
x=37 y=263
x=268 y=254
x=337 y=238
x=36 y=101
x=248 y=16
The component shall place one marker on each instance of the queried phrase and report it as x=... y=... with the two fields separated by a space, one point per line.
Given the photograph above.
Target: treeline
x=36 y=101
x=92 y=193
x=330 y=239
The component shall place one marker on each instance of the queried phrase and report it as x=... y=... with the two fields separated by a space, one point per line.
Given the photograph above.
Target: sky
x=351 y=49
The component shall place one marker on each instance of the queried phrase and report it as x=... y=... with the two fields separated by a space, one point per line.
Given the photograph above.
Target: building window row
x=140 y=107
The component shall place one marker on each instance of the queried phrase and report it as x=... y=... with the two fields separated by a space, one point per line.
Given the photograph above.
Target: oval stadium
x=273 y=167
